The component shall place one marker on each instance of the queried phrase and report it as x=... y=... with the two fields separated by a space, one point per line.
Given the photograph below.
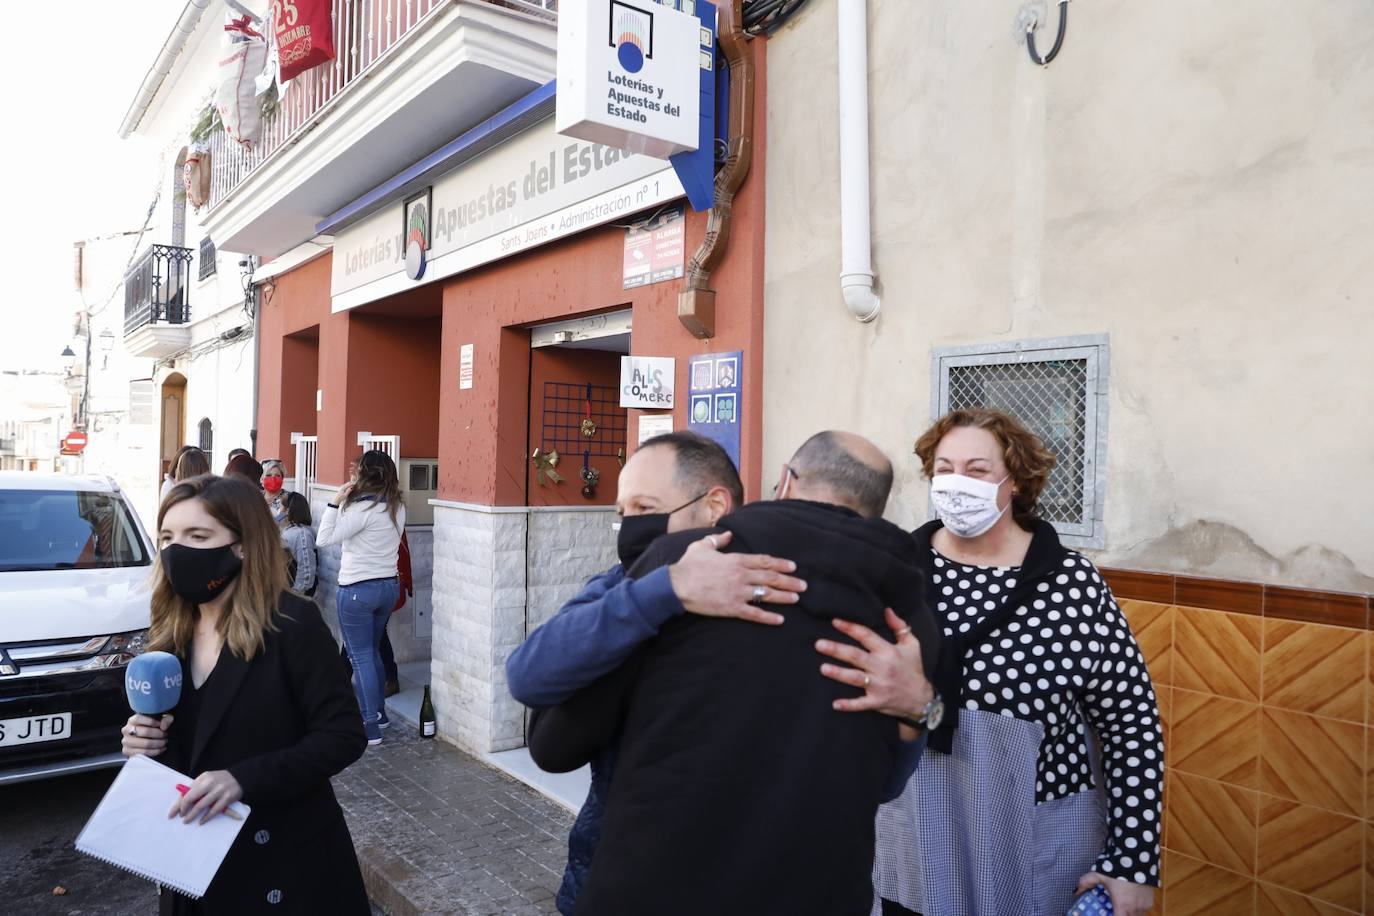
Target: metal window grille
x=1058 y=388
x=207 y=436
x=566 y=405
x=208 y=261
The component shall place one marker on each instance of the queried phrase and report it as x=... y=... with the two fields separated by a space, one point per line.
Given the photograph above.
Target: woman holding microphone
x=266 y=715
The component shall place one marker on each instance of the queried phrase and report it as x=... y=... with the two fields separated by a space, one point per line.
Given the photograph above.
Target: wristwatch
x=332 y=505
x=930 y=718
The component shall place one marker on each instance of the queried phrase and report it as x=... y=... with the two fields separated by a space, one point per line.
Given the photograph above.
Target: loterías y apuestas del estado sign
x=629 y=74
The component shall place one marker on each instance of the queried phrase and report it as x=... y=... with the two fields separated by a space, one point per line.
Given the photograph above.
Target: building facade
x=1154 y=250
x=548 y=259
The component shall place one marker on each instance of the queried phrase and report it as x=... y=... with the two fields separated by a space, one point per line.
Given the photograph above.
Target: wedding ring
x=715 y=545
x=867 y=680
x=904 y=631
x=760 y=592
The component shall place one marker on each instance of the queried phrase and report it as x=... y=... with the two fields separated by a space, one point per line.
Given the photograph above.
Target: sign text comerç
x=629 y=75
x=646 y=382
x=531 y=190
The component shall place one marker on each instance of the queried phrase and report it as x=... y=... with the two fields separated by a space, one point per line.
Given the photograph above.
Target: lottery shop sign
x=629 y=74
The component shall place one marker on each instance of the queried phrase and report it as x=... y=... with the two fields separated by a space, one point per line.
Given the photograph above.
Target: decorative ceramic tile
x=1312 y=760
x=1316 y=669
x=1275 y=901
x=1194 y=887
x=1217 y=653
x=1368 y=866
x=1313 y=852
x=1220 y=595
x=1214 y=737
x=1153 y=626
x=1336 y=608
x=1144 y=586
x=1214 y=822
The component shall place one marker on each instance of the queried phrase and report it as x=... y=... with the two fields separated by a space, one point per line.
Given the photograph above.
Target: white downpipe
x=856 y=266
x=171 y=50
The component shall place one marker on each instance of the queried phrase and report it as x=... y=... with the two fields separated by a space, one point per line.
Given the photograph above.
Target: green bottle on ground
x=427 y=725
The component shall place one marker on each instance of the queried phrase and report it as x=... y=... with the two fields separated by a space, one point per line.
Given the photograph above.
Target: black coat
x=737 y=788
x=282 y=725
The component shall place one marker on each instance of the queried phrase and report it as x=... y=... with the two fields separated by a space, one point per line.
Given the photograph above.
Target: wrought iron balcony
x=157 y=290
x=366 y=33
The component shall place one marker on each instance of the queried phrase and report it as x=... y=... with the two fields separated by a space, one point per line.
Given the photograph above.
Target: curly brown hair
x=1027 y=459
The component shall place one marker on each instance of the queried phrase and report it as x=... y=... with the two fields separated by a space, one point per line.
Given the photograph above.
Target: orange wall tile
x=1214 y=737
x=1217 y=653
x=1312 y=760
x=1213 y=822
x=1311 y=851
x=1315 y=669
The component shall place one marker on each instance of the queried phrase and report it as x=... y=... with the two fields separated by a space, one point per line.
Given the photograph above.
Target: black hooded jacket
x=737 y=788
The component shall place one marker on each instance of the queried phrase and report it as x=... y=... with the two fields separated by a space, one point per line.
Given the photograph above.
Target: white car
x=75 y=569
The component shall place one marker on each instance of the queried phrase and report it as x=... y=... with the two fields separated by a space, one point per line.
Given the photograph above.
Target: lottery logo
x=632 y=35
x=417 y=240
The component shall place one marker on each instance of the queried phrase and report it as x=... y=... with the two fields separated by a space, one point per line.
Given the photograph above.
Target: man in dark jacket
x=739 y=788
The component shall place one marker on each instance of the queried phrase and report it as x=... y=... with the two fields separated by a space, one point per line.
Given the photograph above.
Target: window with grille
x=207 y=436
x=208 y=261
x=1058 y=388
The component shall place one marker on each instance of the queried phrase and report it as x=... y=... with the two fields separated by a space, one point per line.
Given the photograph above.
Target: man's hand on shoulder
x=715 y=584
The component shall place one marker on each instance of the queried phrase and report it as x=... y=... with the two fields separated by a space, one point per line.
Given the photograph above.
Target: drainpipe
x=856 y=269
x=167 y=57
x=696 y=303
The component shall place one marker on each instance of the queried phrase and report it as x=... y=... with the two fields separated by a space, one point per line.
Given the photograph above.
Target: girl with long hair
x=265 y=714
x=367 y=521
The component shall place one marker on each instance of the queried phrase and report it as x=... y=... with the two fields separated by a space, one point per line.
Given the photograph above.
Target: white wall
x=1196 y=180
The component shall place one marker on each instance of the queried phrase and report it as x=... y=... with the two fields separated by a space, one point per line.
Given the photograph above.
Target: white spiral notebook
x=130 y=829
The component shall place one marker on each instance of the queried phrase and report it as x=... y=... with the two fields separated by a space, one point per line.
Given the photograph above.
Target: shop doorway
x=173 y=429
x=577 y=429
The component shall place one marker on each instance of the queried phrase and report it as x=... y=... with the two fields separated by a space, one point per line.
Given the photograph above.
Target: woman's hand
x=890 y=673
x=344 y=490
x=209 y=795
x=145 y=735
x=1127 y=899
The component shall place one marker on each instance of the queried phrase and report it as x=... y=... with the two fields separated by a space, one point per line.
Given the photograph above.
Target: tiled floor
x=438 y=831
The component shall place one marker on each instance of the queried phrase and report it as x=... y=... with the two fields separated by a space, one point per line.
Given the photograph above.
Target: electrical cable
x=1058 y=38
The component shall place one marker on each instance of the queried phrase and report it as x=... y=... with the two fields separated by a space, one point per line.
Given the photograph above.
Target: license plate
x=33 y=729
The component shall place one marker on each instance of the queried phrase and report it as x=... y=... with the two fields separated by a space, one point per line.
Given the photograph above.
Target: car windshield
x=66 y=529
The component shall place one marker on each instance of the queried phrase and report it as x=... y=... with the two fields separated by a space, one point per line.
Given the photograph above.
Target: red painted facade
x=391 y=367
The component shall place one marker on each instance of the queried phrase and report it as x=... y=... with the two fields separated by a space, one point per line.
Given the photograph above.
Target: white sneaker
x=373 y=742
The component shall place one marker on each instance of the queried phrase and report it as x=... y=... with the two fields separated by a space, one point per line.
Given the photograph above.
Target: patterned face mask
x=968 y=507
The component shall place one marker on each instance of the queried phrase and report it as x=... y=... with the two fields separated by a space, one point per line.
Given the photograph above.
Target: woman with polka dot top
x=1046 y=776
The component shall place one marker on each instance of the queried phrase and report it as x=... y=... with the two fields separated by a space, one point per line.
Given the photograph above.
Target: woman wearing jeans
x=367 y=522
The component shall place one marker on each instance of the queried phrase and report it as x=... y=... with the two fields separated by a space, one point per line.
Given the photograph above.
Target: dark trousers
x=892 y=908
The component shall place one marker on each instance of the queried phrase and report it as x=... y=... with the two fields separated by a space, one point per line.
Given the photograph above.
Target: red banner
x=305 y=34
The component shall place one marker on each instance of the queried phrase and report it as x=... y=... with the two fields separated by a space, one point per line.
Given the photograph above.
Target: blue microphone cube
x=153 y=683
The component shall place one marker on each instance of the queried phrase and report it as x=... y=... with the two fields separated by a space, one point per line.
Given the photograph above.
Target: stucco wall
x=1195 y=180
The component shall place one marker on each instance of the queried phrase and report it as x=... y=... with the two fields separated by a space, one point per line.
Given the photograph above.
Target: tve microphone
x=153 y=683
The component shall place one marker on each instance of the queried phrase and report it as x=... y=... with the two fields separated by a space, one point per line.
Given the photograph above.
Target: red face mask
x=272 y=484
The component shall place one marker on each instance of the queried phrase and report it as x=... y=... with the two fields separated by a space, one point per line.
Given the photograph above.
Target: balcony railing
x=158 y=288
x=364 y=31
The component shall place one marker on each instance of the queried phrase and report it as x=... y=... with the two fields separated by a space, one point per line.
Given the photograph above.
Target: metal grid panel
x=565 y=407
x=1050 y=397
x=1058 y=387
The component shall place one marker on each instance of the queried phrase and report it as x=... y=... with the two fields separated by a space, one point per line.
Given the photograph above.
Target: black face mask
x=199 y=574
x=637 y=532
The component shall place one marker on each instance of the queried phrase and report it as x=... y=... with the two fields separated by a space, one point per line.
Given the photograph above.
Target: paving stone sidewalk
x=438 y=831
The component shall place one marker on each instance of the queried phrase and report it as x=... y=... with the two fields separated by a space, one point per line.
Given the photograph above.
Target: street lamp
x=68 y=358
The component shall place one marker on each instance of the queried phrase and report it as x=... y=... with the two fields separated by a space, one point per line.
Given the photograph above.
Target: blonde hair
x=273 y=464
x=1028 y=461
x=236 y=504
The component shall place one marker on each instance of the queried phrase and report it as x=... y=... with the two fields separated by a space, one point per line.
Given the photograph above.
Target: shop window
x=1058 y=388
